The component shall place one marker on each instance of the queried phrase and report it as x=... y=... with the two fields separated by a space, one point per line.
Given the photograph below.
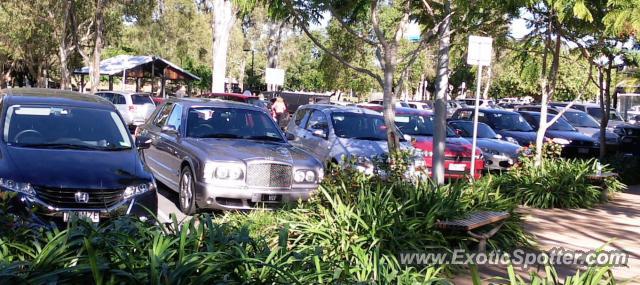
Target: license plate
x=271 y=198
x=91 y=216
x=457 y=167
x=583 y=150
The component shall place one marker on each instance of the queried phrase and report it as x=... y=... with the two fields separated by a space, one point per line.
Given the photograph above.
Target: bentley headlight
x=304 y=176
x=226 y=172
x=11 y=185
x=136 y=190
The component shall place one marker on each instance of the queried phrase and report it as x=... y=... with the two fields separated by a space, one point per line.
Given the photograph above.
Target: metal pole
x=475 y=124
x=253 y=74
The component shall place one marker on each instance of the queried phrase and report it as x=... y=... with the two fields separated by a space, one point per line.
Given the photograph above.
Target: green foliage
x=591 y=275
x=559 y=183
x=626 y=166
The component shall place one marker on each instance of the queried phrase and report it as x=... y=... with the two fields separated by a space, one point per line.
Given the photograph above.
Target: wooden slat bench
x=474 y=221
x=598 y=180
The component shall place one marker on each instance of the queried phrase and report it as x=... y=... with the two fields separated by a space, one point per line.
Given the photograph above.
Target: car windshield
x=65 y=127
x=484 y=131
x=597 y=113
x=508 y=122
x=560 y=125
x=581 y=120
x=141 y=100
x=417 y=125
x=231 y=123
x=359 y=126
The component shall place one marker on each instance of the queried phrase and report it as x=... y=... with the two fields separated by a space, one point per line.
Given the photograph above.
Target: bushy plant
x=559 y=183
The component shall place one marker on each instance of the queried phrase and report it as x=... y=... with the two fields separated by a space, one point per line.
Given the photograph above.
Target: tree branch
x=351 y=31
x=376 y=25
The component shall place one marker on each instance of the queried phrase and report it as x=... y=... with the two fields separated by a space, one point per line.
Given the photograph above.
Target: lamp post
x=247 y=47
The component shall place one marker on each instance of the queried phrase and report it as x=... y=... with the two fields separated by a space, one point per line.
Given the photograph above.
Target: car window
x=119 y=99
x=108 y=96
x=359 y=126
x=65 y=127
x=231 y=123
x=176 y=117
x=299 y=117
x=317 y=121
x=413 y=106
x=484 y=131
x=464 y=115
x=507 y=122
x=141 y=99
x=163 y=115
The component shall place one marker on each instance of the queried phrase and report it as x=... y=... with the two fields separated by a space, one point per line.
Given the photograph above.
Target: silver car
x=498 y=154
x=335 y=134
x=226 y=155
x=135 y=108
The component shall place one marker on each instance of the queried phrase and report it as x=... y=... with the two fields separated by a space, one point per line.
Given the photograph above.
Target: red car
x=419 y=125
x=236 y=97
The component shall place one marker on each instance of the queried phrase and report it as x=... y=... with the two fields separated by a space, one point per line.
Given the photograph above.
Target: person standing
x=279 y=111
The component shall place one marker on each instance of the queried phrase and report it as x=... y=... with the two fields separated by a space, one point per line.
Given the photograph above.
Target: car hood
x=246 y=150
x=523 y=138
x=367 y=148
x=500 y=146
x=77 y=168
x=454 y=146
x=568 y=135
x=595 y=133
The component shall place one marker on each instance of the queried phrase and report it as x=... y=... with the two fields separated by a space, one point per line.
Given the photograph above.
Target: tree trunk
x=221 y=24
x=63 y=49
x=273 y=49
x=605 y=104
x=94 y=72
x=389 y=107
x=440 y=107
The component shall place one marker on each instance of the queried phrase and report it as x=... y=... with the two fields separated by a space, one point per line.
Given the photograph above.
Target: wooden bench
x=474 y=221
x=598 y=180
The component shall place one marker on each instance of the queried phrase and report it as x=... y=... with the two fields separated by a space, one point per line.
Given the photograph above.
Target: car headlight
x=226 y=172
x=561 y=141
x=511 y=140
x=490 y=151
x=20 y=187
x=136 y=190
x=308 y=176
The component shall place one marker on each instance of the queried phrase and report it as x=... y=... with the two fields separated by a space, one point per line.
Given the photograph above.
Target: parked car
x=226 y=155
x=633 y=111
x=574 y=144
x=135 y=108
x=629 y=134
x=68 y=154
x=483 y=103
x=335 y=134
x=398 y=103
x=510 y=125
x=582 y=122
x=235 y=97
x=419 y=105
x=498 y=154
x=457 y=151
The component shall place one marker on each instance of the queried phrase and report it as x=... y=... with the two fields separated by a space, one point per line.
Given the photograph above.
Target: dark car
x=510 y=125
x=226 y=155
x=574 y=144
x=69 y=154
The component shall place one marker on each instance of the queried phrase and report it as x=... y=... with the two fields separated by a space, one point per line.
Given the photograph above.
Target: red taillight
x=132 y=108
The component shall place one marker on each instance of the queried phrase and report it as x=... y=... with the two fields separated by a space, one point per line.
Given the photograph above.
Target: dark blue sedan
x=510 y=125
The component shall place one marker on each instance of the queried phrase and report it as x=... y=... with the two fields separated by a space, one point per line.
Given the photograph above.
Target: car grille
x=65 y=197
x=268 y=175
x=582 y=143
x=458 y=158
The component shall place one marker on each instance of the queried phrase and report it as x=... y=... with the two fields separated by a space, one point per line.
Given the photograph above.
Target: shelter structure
x=140 y=67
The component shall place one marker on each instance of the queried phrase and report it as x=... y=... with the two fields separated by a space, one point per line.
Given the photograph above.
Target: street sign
x=479 y=51
x=274 y=76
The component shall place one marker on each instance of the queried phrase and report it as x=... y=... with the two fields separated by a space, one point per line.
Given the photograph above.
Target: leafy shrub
x=560 y=183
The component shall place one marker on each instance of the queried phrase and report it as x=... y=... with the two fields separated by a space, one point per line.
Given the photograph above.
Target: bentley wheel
x=187 y=196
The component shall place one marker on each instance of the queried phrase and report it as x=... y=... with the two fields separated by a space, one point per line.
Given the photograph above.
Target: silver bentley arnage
x=226 y=155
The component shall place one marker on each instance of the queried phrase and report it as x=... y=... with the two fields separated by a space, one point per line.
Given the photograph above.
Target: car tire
x=186 y=193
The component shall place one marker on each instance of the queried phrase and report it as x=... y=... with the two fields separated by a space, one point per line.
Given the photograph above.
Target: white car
x=419 y=105
x=135 y=108
x=398 y=103
x=633 y=111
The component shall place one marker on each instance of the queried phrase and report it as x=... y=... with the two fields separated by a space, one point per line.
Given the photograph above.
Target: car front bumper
x=247 y=198
x=143 y=206
x=498 y=161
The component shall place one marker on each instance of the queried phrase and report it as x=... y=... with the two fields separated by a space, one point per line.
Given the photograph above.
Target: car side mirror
x=290 y=136
x=320 y=133
x=143 y=142
x=498 y=136
x=407 y=137
x=169 y=129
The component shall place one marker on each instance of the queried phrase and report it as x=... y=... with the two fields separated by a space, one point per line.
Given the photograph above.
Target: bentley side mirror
x=169 y=129
x=143 y=142
x=320 y=133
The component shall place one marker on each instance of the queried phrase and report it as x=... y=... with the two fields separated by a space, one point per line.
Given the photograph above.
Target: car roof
x=124 y=92
x=557 y=109
x=401 y=110
x=328 y=108
x=237 y=95
x=487 y=110
x=53 y=97
x=204 y=102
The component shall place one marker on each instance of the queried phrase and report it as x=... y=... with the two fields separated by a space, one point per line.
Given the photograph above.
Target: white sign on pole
x=479 y=52
x=274 y=76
